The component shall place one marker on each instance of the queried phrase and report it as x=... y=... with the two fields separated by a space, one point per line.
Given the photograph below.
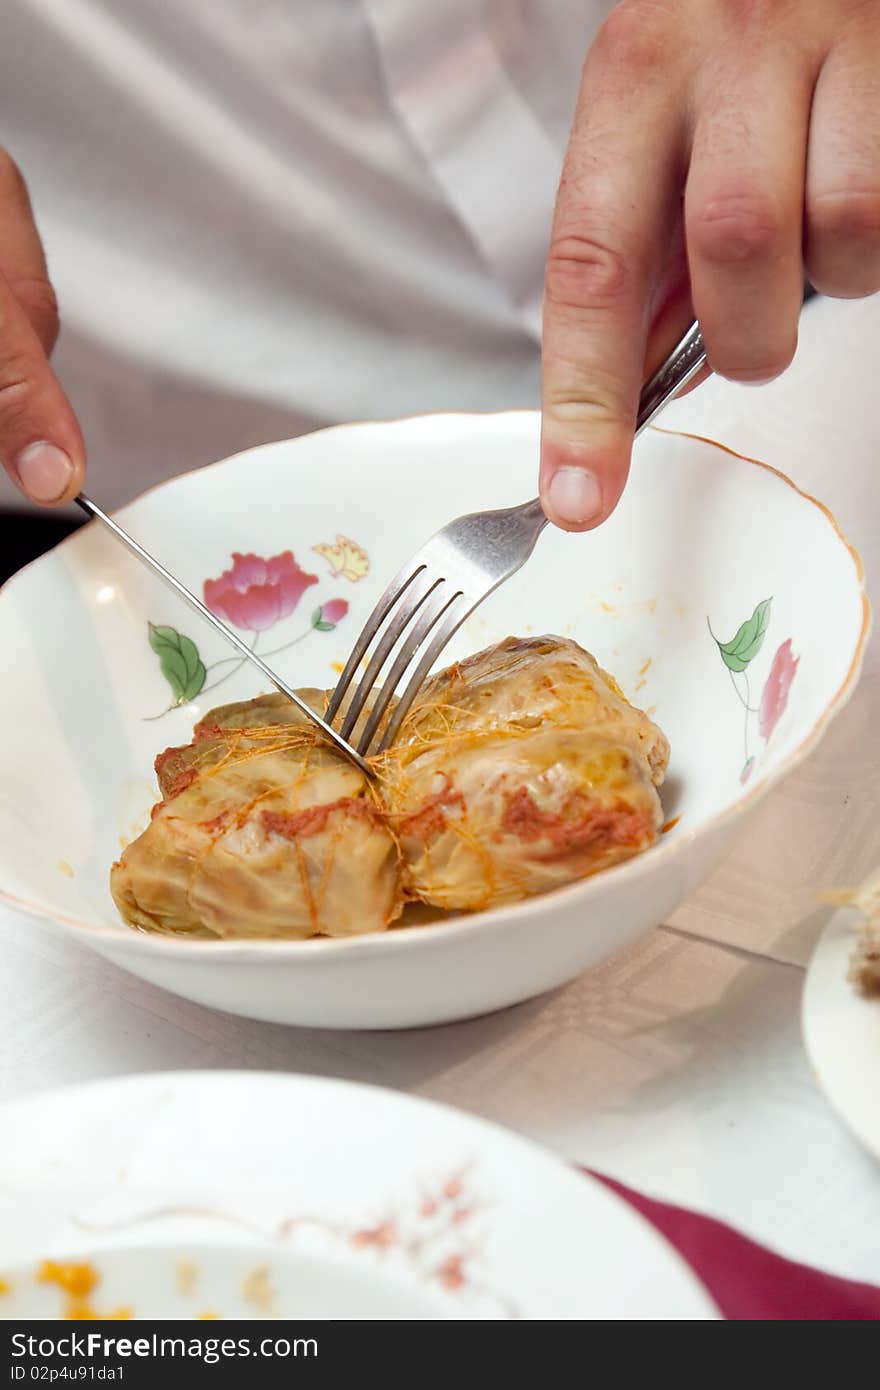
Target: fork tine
x=413 y=599
x=399 y=584
x=439 y=602
x=455 y=615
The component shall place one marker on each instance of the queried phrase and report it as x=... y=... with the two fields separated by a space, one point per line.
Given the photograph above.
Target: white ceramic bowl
x=702 y=537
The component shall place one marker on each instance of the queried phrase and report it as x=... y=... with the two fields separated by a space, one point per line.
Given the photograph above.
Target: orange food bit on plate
x=78 y=1280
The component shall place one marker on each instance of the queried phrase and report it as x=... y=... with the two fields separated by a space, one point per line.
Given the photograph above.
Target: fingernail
x=44 y=471
x=575 y=494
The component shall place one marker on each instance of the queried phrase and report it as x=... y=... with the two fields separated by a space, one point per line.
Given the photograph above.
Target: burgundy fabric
x=748 y=1281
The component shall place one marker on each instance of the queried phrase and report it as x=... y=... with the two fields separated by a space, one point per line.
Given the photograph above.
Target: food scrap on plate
x=865 y=959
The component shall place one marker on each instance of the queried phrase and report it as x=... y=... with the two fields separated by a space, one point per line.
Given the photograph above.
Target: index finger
x=616 y=209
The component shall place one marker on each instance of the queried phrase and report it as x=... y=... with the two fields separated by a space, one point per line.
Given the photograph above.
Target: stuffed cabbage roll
x=518 y=770
x=262 y=831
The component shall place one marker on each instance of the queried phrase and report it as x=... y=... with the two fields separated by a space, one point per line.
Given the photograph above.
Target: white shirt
x=262 y=216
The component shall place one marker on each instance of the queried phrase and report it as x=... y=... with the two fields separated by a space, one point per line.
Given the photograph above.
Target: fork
x=428 y=600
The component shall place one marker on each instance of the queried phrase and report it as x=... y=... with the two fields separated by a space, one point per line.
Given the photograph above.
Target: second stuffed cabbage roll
x=520 y=769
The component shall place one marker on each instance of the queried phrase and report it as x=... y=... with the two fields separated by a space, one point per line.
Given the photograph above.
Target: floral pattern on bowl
x=738 y=655
x=254 y=595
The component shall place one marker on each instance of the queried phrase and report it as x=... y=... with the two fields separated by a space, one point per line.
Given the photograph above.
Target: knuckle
x=37 y=297
x=571 y=408
x=634 y=37
x=578 y=393
x=19 y=379
x=733 y=228
x=751 y=10
x=754 y=16
x=585 y=272
x=16 y=392
x=847 y=215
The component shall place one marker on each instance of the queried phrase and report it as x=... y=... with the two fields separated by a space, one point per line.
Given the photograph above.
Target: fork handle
x=681 y=366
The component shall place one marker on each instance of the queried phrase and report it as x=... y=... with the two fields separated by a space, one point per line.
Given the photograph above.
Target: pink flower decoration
x=256 y=594
x=748 y=769
x=774 y=697
x=381 y=1236
x=451 y=1272
x=334 y=611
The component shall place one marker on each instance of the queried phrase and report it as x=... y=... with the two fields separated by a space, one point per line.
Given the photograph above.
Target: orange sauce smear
x=77 y=1281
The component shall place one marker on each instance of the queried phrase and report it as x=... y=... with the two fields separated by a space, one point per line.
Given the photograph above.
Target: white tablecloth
x=678 y=1066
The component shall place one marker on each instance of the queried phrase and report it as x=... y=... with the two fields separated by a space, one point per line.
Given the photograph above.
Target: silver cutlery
x=428 y=600
x=430 y=597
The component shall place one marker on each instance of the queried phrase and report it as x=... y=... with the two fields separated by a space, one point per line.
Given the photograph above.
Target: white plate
x=251 y=1195
x=842 y=1031
x=702 y=538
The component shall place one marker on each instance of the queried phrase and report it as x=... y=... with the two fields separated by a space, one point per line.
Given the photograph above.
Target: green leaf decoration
x=319 y=624
x=179 y=662
x=744 y=647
